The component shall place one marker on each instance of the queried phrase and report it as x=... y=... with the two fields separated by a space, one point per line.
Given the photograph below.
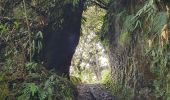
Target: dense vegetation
x=136 y=34
x=39 y=37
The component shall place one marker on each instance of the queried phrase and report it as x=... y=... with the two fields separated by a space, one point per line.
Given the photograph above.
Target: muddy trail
x=93 y=92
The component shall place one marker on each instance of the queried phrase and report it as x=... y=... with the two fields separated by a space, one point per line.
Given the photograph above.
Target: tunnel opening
x=90 y=62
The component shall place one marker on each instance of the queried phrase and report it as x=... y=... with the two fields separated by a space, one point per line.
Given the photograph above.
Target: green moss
x=105 y=76
x=4 y=91
x=123 y=38
x=168 y=87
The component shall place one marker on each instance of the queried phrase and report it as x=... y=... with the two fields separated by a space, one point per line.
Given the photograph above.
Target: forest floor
x=93 y=92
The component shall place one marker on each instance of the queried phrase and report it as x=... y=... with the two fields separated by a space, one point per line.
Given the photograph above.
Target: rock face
x=130 y=65
x=93 y=92
x=61 y=41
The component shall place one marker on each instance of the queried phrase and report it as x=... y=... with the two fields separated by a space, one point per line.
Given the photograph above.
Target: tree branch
x=100 y=4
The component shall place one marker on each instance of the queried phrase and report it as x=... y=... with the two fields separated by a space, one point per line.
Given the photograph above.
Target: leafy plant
x=32 y=67
x=29 y=91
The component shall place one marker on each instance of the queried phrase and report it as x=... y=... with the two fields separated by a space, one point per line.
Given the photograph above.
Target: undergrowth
x=22 y=78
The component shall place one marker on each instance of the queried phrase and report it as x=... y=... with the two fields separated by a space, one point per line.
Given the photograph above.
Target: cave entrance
x=90 y=61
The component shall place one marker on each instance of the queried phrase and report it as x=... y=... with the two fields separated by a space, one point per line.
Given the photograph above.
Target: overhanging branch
x=100 y=4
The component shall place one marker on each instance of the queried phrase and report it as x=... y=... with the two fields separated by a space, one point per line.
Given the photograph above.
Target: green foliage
x=34 y=83
x=105 y=76
x=152 y=23
x=46 y=87
x=158 y=21
x=90 y=49
x=32 y=67
x=123 y=38
x=4 y=90
x=75 y=80
x=30 y=89
x=160 y=92
x=35 y=91
x=128 y=22
x=21 y=78
x=135 y=27
x=94 y=17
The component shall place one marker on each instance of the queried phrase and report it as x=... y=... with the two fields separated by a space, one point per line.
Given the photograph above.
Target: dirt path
x=93 y=92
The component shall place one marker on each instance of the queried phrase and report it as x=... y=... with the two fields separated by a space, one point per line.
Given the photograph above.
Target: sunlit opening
x=90 y=62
